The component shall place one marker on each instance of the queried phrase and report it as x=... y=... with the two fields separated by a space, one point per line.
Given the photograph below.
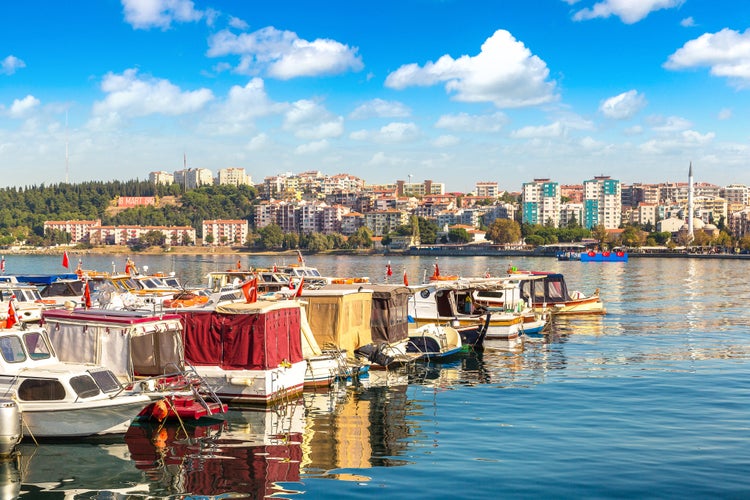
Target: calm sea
x=650 y=401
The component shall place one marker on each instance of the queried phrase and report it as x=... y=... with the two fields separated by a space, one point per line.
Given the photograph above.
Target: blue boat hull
x=604 y=257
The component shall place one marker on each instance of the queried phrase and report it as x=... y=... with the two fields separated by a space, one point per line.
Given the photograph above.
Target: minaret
x=690 y=202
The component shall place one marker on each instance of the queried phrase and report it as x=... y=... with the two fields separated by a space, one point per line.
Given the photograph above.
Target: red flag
x=2 y=264
x=388 y=270
x=300 y=259
x=291 y=283
x=239 y=264
x=275 y=269
x=86 y=295
x=406 y=280
x=250 y=290
x=65 y=262
x=298 y=292
x=11 y=319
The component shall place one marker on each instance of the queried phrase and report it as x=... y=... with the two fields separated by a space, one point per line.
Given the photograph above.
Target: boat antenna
x=67 y=165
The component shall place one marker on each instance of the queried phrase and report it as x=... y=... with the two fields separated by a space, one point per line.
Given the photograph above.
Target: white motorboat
x=58 y=399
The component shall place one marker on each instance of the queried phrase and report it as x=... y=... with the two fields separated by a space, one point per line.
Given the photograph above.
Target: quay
x=483 y=250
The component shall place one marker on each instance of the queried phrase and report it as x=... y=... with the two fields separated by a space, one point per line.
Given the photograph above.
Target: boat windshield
x=37 y=345
x=12 y=349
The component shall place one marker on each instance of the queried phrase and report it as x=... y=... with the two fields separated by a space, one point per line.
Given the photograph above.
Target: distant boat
x=618 y=255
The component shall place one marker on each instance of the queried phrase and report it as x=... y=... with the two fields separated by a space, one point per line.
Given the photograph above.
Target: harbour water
x=651 y=400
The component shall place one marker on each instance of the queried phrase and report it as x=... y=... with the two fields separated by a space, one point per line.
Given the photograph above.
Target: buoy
x=160 y=410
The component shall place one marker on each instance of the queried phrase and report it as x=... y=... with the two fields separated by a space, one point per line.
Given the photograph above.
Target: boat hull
x=255 y=387
x=589 y=305
x=81 y=418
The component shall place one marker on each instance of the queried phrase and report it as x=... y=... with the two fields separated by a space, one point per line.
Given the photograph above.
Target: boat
x=439 y=302
x=615 y=255
x=325 y=365
x=434 y=342
x=248 y=353
x=27 y=303
x=58 y=399
x=506 y=295
x=377 y=315
x=550 y=292
x=144 y=351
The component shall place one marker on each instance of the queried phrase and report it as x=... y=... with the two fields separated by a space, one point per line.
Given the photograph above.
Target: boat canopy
x=130 y=343
x=261 y=335
x=340 y=316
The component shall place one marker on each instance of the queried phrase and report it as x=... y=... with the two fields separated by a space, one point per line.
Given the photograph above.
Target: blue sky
x=448 y=90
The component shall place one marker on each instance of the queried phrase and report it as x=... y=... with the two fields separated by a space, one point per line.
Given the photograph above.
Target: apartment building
x=541 y=202
x=602 y=202
x=225 y=231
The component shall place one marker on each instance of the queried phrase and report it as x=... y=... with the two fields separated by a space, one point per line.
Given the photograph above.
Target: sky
x=456 y=91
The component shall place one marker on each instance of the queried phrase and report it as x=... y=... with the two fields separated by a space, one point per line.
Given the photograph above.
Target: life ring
x=620 y=253
x=592 y=253
x=605 y=254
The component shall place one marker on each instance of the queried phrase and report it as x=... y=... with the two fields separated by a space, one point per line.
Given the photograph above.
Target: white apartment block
x=602 y=203
x=739 y=223
x=225 y=231
x=487 y=189
x=161 y=177
x=736 y=194
x=383 y=221
x=342 y=183
x=541 y=202
x=123 y=235
x=192 y=178
x=570 y=212
x=710 y=209
x=234 y=176
x=79 y=230
x=351 y=222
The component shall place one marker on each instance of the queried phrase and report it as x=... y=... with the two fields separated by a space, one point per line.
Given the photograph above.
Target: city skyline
x=457 y=92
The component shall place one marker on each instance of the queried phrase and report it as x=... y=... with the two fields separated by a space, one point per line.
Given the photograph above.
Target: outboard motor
x=10 y=427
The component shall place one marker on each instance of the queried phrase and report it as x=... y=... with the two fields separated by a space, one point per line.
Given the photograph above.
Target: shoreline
x=432 y=251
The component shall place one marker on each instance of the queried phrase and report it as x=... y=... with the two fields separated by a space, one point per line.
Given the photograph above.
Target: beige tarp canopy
x=339 y=317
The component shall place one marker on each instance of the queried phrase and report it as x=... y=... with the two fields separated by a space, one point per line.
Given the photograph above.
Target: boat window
x=106 y=380
x=12 y=349
x=36 y=345
x=444 y=305
x=33 y=389
x=490 y=293
x=554 y=290
x=84 y=386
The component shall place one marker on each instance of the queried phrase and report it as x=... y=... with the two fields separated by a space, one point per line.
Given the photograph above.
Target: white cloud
x=394 y=132
x=688 y=22
x=283 y=55
x=668 y=124
x=130 y=96
x=21 y=107
x=687 y=139
x=473 y=123
x=10 y=64
x=242 y=106
x=634 y=130
x=311 y=147
x=380 y=159
x=623 y=106
x=445 y=141
x=258 y=142
x=145 y=14
x=727 y=53
x=629 y=11
x=380 y=108
x=552 y=130
x=309 y=120
x=504 y=72
x=724 y=114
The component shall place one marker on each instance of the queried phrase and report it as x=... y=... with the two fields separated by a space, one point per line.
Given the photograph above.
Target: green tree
x=459 y=235
x=361 y=239
x=503 y=231
x=271 y=237
x=600 y=234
